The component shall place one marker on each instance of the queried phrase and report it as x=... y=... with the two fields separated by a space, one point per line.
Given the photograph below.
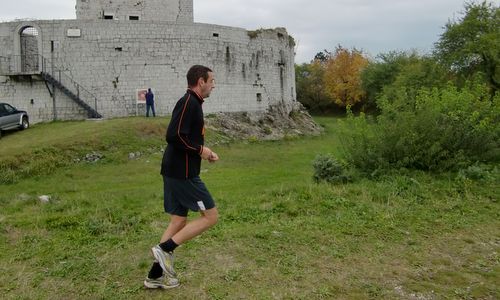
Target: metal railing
x=4 y=65
x=21 y=64
x=37 y=64
x=68 y=82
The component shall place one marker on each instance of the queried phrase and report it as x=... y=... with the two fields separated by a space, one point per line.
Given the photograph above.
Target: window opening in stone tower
x=29 y=49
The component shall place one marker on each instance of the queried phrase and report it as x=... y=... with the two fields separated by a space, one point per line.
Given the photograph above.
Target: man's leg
x=147 y=110
x=175 y=225
x=153 y=110
x=178 y=231
x=194 y=228
x=182 y=232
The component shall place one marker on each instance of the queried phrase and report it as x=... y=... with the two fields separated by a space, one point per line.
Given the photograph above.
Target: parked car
x=11 y=118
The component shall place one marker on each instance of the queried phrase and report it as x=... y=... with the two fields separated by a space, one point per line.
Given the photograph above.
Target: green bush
x=329 y=169
x=476 y=172
x=440 y=129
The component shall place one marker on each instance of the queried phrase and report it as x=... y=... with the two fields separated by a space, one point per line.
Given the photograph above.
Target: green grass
x=280 y=236
x=50 y=146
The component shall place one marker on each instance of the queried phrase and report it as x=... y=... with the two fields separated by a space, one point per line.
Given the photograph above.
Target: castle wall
x=34 y=97
x=113 y=59
x=180 y=11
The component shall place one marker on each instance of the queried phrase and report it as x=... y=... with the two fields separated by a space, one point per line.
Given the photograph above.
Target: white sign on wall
x=74 y=32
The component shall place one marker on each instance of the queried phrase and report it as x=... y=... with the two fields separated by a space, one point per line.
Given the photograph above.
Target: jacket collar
x=200 y=98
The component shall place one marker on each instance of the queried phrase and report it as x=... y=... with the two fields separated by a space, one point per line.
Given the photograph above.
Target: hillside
x=49 y=146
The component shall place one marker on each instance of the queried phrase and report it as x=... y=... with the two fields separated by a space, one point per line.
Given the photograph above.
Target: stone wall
x=33 y=96
x=180 y=11
x=112 y=59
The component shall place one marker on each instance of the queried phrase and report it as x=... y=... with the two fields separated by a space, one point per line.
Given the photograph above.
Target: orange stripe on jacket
x=180 y=122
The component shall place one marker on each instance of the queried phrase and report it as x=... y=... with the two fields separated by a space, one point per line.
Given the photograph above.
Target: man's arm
x=178 y=133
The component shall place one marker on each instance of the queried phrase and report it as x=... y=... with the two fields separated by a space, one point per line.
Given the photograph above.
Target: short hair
x=196 y=72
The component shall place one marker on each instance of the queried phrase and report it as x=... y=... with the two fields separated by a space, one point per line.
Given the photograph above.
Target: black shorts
x=182 y=195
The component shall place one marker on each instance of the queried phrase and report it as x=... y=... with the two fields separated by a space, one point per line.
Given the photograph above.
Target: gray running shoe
x=164 y=282
x=166 y=260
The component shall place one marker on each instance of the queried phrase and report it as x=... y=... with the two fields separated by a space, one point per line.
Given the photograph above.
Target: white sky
x=374 y=26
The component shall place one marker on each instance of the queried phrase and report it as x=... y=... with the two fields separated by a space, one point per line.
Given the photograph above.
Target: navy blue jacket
x=150 y=98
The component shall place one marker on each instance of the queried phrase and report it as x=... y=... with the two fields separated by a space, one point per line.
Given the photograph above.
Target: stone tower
x=116 y=48
x=178 y=11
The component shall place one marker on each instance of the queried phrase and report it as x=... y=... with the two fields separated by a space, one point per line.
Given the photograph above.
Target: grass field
x=280 y=236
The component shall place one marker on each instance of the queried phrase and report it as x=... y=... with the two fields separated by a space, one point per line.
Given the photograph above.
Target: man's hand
x=213 y=157
x=209 y=155
x=206 y=153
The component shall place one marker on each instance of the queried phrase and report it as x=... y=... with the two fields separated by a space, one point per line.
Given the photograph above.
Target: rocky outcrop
x=276 y=123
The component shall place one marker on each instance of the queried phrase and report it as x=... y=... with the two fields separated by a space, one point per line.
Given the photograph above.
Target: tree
x=342 y=76
x=397 y=76
x=322 y=56
x=310 y=89
x=383 y=71
x=415 y=74
x=471 y=44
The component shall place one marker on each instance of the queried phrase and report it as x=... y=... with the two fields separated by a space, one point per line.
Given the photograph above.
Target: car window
x=2 y=109
x=9 y=109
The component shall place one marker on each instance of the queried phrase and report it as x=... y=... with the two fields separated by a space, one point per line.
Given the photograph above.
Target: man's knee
x=178 y=221
x=212 y=216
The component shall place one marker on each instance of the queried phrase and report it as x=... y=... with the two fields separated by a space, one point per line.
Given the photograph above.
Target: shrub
x=442 y=129
x=329 y=169
x=475 y=172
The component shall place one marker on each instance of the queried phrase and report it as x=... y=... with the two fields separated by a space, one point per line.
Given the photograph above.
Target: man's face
x=208 y=86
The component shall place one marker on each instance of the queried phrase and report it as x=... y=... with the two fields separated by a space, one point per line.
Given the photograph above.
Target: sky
x=374 y=26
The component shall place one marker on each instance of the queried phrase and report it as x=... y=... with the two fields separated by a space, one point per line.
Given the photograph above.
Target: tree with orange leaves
x=342 y=77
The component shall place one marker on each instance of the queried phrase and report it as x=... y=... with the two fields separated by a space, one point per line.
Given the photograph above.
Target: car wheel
x=25 y=123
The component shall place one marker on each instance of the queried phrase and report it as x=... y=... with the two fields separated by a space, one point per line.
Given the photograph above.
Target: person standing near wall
x=182 y=186
x=150 y=102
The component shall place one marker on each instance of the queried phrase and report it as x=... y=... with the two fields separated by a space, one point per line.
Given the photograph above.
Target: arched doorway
x=29 y=50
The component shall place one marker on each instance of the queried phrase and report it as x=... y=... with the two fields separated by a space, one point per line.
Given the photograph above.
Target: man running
x=182 y=186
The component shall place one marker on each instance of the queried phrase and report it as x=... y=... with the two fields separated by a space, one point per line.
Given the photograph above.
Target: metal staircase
x=33 y=66
x=92 y=113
